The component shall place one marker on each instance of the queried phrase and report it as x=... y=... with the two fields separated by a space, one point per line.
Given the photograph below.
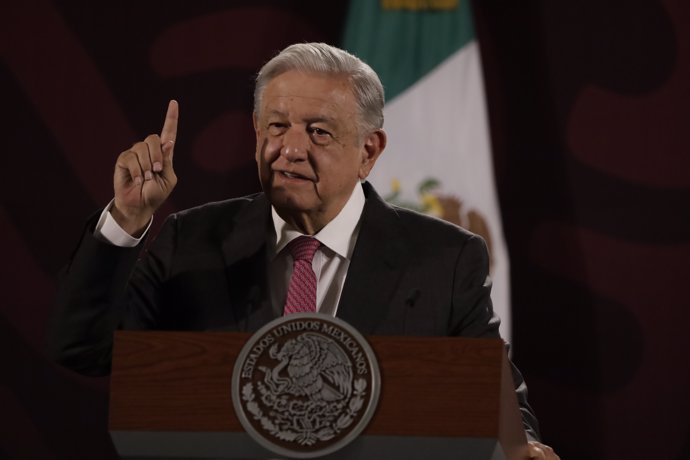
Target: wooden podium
x=441 y=398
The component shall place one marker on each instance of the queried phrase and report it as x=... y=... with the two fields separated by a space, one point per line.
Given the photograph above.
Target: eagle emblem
x=305 y=385
x=311 y=365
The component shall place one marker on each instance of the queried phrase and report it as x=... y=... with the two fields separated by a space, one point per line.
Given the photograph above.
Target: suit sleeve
x=95 y=298
x=473 y=315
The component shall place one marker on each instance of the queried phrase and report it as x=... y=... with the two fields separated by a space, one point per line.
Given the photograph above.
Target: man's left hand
x=541 y=451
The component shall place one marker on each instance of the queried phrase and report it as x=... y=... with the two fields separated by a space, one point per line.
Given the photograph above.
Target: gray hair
x=325 y=59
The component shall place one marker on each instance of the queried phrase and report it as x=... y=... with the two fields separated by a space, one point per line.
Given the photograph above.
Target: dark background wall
x=590 y=113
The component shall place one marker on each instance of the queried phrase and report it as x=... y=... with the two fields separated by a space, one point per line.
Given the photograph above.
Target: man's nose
x=295 y=145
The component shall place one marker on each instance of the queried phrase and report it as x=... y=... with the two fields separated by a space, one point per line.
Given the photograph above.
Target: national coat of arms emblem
x=305 y=385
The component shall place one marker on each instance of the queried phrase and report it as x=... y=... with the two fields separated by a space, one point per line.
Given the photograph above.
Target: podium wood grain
x=431 y=386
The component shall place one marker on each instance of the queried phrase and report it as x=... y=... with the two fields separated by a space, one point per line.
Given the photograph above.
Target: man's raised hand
x=144 y=176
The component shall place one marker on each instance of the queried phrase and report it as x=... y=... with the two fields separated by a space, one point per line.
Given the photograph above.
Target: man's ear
x=374 y=144
x=255 y=123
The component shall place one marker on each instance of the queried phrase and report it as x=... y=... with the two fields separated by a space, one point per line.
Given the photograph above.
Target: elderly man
x=318 y=118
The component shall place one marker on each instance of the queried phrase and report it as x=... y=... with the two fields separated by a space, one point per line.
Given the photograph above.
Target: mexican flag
x=438 y=158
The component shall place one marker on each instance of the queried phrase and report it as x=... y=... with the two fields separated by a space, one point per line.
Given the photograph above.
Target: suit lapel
x=245 y=253
x=377 y=266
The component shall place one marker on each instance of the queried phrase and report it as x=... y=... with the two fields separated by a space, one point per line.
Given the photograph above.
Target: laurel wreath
x=281 y=424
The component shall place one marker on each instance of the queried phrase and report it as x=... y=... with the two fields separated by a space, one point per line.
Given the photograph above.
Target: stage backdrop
x=589 y=114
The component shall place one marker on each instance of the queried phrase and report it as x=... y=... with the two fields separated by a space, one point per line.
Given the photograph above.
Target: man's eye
x=319 y=132
x=276 y=128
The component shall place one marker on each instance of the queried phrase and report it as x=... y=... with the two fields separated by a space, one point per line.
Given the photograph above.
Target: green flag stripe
x=403 y=45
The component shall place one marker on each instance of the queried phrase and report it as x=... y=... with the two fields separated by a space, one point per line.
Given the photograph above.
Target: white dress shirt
x=330 y=263
x=109 y=231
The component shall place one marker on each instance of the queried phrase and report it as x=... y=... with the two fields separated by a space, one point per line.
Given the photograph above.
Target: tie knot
x=303 y=248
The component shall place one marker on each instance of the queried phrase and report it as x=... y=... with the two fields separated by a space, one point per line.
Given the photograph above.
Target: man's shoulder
x=431 y=227
x=221 y=209
x=413 y=226
x=219 y=218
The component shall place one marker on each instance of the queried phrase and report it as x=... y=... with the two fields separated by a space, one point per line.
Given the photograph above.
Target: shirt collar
x=339 y=235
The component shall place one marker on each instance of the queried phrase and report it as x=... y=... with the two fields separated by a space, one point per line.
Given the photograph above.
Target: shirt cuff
x=108 y=230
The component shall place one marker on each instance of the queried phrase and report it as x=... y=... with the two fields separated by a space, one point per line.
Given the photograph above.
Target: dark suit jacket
x=409 y=275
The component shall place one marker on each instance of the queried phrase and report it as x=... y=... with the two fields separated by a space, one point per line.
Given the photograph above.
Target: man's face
x=308 y=149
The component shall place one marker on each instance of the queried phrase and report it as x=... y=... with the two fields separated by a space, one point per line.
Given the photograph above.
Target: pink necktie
x=301 y=295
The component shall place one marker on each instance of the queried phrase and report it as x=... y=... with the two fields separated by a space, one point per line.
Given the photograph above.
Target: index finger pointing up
x=169 y=131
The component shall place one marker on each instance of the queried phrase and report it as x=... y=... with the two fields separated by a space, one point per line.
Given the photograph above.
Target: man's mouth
x=290 y=175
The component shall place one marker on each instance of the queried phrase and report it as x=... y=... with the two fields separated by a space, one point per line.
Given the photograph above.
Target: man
x=318 y=118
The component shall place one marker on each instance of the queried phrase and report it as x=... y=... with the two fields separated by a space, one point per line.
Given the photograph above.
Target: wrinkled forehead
x=295 y=89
